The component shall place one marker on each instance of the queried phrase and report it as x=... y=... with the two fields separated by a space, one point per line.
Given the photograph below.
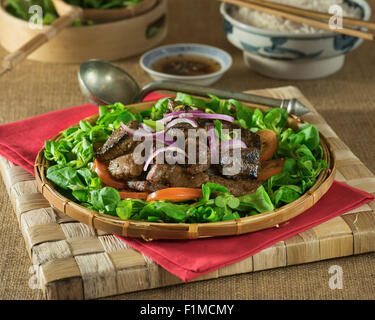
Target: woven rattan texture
x=77 y=262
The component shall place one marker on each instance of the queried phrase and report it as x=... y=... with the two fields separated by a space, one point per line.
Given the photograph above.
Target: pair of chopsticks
x=309 y=17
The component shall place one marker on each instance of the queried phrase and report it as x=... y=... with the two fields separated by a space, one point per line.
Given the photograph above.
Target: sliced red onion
x=159 y=136
x=176 y=113
x=215 y=116
x=165 y=120
x=139 y=132
x=234 y=143
x=192 y=122
x=213 y=144
x=147 y=128
x=164 y=149
x=173 y=114
x=198 y=114
x=127 y=129
x=169 y=117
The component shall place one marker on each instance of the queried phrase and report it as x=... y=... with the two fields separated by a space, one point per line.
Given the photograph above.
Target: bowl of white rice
x=283 y=49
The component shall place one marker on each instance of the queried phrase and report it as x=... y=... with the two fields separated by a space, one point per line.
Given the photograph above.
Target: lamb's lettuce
x=259 y=200
x=303 y=163
x=159 y=109
x=184 y=98
x=275 y=119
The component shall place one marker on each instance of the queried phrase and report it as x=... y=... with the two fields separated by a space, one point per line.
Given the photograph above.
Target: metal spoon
x=104 y=83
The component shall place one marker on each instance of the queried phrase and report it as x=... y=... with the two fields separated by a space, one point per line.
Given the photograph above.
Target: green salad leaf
x=65 y=177
x=259 y=200
x=189 y=100
x=303 y=163
x=275 y=119
x=243 y=115
x=159 y=108
x=20 y=8
x=104 y=200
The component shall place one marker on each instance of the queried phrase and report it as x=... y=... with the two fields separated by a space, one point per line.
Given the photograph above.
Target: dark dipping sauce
x=186 y=65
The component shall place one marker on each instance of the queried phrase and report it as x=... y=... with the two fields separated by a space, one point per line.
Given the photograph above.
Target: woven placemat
x=75 y=261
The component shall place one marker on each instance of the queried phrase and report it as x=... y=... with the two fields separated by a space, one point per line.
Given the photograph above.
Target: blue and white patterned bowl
x=222 y=57
x=288 y=55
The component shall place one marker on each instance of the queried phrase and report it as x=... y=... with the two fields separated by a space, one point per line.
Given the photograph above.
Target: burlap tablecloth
x=346 y=100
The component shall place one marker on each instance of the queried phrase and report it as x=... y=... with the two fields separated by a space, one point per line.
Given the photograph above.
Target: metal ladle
x=105 y=83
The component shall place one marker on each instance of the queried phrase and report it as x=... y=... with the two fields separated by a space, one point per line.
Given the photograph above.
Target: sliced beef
x=175 y=176
x=157 y=173
x=251 y=139
x=118 y=144
x=237 y=187
x=203 y=123
x=145 y=186
x=248 y=163
x=124 y=167
x=202 y=151
x=179 y=130
x=194 y=169
x=244 y=166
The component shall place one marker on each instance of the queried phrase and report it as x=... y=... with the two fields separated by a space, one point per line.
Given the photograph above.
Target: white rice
x=271 y=22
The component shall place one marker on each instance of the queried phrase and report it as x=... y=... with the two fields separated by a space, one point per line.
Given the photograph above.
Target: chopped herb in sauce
x=186 y=65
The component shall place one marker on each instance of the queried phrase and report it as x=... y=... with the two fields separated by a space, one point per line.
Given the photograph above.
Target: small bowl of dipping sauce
x=186 y=62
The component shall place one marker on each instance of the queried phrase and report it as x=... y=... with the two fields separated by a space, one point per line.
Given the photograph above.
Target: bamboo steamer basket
x=107 y=41
x=153 y=230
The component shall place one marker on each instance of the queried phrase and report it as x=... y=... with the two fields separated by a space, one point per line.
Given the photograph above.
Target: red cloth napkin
x=192 y=258
x=21 y=141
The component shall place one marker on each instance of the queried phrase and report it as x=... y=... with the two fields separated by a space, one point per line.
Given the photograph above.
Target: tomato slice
x=270 y=168
x=133 y=195
x=176 y=194
x=268 y=142
x=102 y=170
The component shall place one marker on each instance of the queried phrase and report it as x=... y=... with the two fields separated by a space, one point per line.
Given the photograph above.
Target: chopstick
x=3 y=71
x=264 y=6
x=313 y=14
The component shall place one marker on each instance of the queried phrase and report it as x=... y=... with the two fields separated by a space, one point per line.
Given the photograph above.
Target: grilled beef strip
x=202 y=151
x=235 y=187
x=182 y=128
x=252 y=140
x=124 y=167
x=249 y=162
x=175 y=176
x=145 y=186
x=179 y=130
x=240 y=167
x=118 y=144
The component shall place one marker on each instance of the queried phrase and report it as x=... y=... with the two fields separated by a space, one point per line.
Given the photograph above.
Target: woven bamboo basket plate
x=153 y=230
